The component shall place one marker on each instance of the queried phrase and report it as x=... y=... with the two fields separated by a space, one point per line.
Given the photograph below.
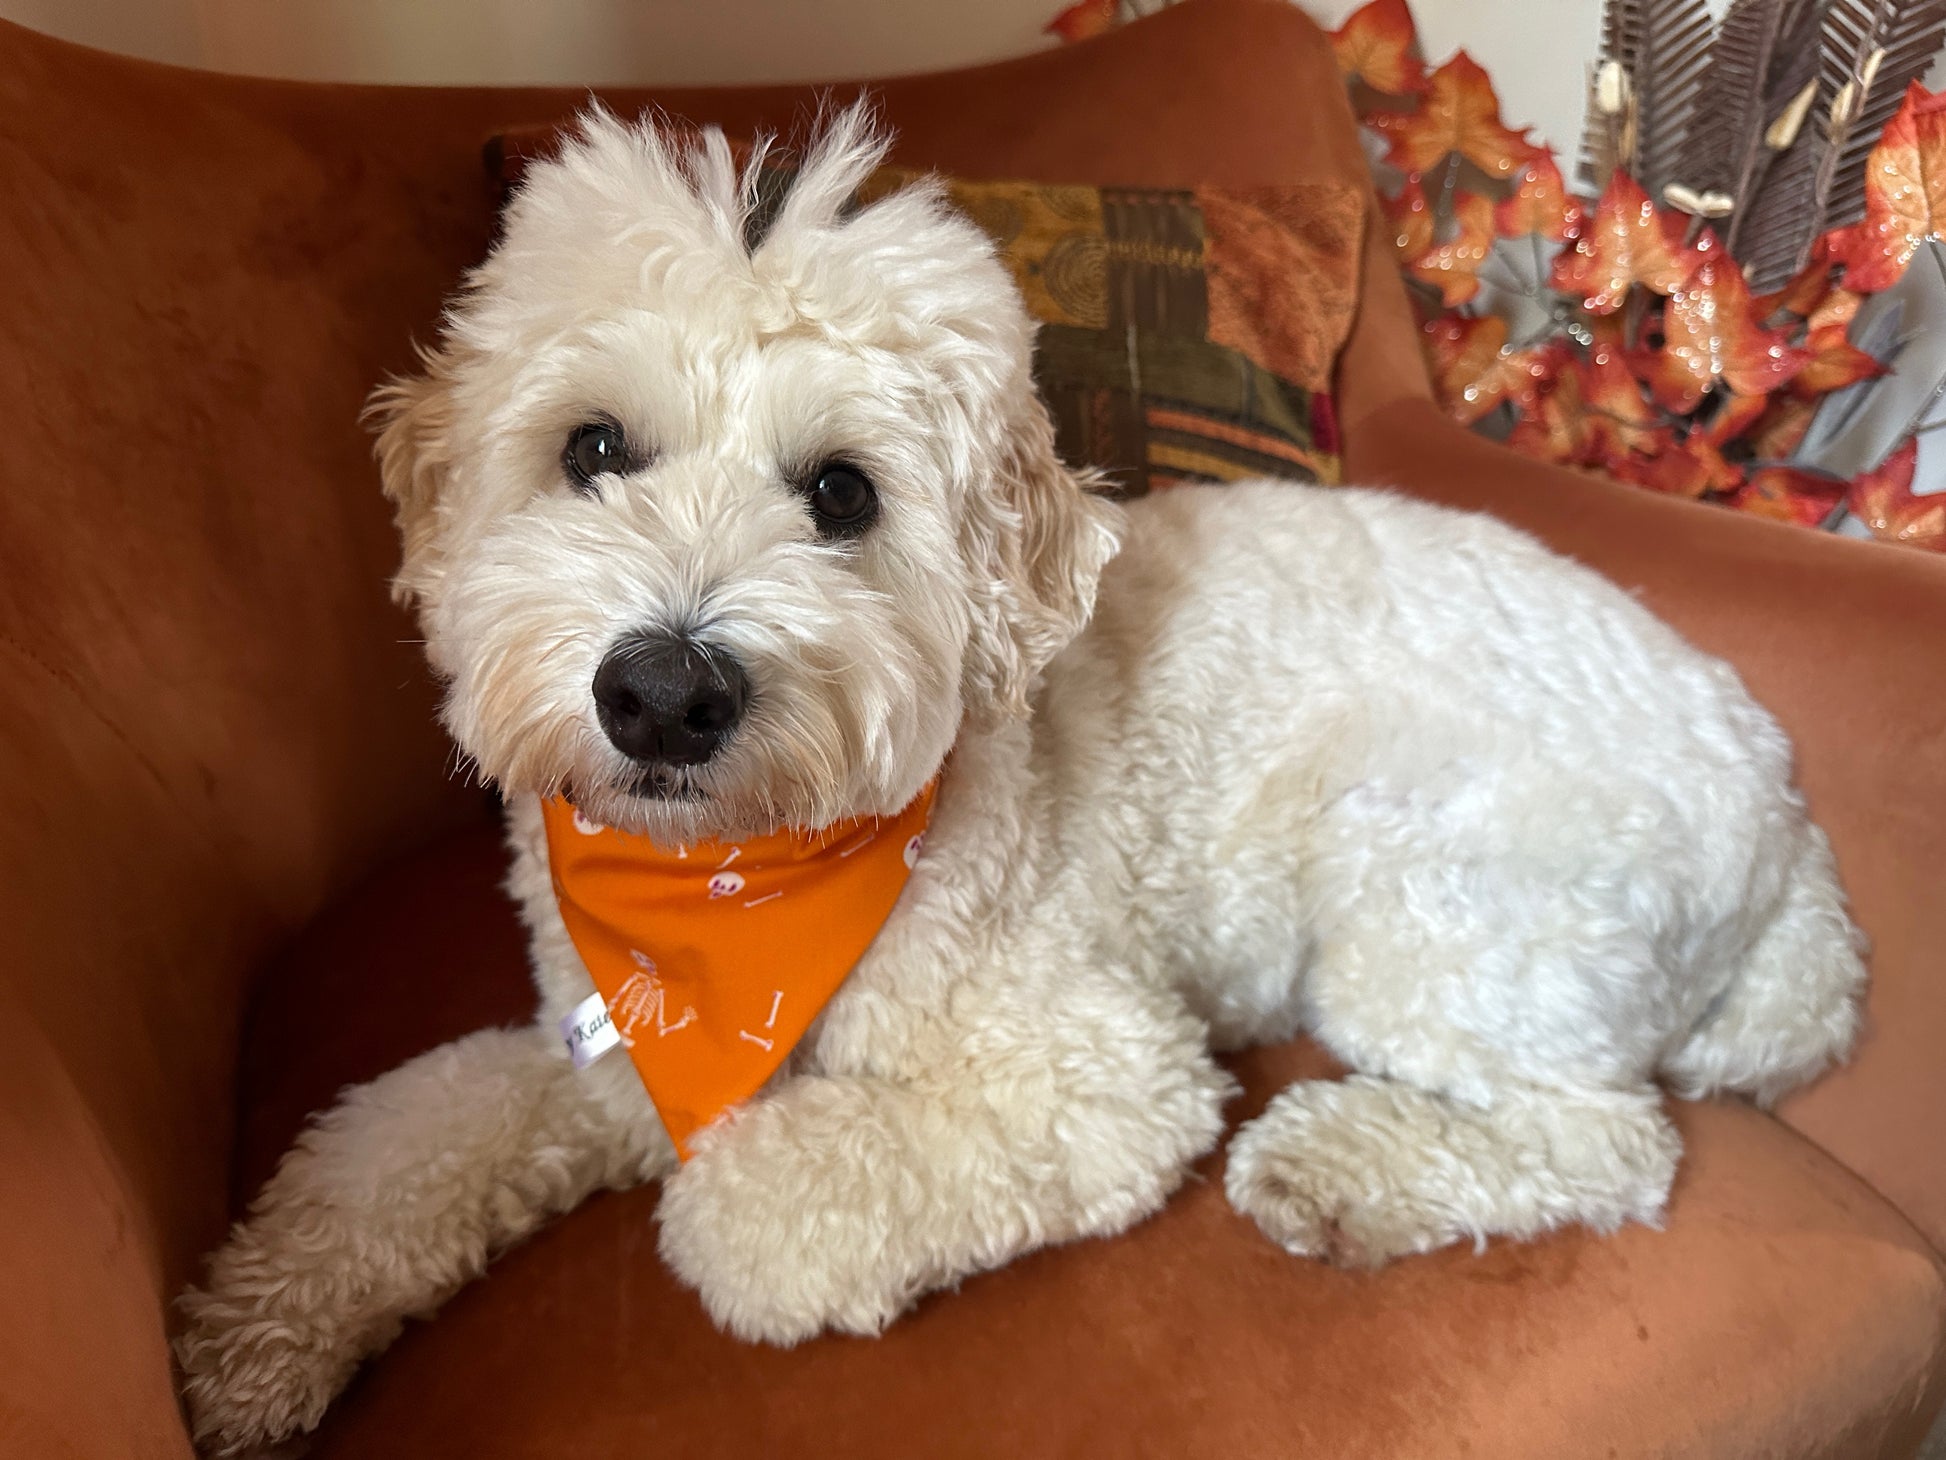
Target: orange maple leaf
x=1453 y=267
x=1734 y=415
x=1720 y=475
x=1789 y=494
x=1379 y=46
x=1620 y=421
x=1781 y=428
x=1412 y=223
x=1553 y=424
x=1688 y=468
x=1804 y=292
x=1084 y=20
x=1883 y=501
x=1671 y=380
x=1463 y=352
x=1473 y=371
x=1650 y=472
x=1627 y=242
x=1539 y=203
x=1710 y=333
x=1459 y=115
x=1839 y=307
x=1607 y=332
x=1676 y=472
x=1905 y=195
x=1834 y=362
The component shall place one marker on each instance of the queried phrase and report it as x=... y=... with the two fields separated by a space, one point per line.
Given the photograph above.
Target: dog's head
x=723 y=514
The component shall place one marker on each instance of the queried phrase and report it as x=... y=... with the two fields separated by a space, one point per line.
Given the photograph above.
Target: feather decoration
x=1773 y=236
x=1749 y=138
x=1622 y=24
x=1909 y=34
x=1766 y=52
x=1645 y=90
x=1670 y=61
x=1605 y=137
x=1776 y=108
x=1607 y=140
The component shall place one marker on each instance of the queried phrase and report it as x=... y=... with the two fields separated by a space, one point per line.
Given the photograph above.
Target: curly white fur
x=1293 y=759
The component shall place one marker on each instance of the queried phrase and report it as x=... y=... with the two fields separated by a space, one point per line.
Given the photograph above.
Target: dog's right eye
x=595 y=448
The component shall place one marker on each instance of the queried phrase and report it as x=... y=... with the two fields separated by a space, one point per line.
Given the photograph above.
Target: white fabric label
x=589 y=1032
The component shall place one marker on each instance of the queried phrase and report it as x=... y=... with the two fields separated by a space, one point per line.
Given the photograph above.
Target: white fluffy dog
x=1227 y=764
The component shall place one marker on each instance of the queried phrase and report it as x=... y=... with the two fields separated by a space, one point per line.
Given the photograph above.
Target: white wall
x=569 y=41
x=1536 y=51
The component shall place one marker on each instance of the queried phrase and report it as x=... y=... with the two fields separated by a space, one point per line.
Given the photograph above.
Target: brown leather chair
x=225 y=793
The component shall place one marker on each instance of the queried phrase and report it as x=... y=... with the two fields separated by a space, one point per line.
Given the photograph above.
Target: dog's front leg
x=389 y=1202
x=835 y=1202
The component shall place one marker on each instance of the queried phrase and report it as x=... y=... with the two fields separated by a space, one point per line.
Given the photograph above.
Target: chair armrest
x=84 y=1365
x=1842 y=641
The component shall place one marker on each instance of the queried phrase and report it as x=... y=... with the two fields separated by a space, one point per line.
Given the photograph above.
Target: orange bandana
x=711 y=961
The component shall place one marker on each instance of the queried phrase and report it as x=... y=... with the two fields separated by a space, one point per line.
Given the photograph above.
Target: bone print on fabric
x=714 y=960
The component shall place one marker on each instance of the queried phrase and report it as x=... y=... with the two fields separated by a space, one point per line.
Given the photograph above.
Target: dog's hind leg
x=1368 y=1169
x=388 y=1203
x=1793 y=1007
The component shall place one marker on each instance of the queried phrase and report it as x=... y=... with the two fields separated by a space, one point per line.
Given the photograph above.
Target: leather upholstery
x=214 y=726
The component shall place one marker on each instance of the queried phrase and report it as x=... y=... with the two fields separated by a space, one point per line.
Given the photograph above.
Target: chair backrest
x=211 y=717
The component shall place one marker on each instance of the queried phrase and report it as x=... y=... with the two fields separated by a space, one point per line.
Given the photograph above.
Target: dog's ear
x=413 y=417
x=1035 y=539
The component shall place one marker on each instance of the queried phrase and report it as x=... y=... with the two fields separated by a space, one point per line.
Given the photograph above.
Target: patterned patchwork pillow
x=1186 y=335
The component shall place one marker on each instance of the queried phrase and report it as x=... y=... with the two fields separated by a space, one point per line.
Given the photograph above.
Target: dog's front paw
x=256 y=1368
x=781 y=1248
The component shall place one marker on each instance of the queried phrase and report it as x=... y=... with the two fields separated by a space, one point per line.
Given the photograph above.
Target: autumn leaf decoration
x=1644 y=352
x=1085 y=19
x=1458 y=120
x=1694 y=325
x=1627 y=242
x=1759 y=124
x=1905 y=195
x=1711 y=335
x=1882 y=499
x=1539 y=204
x=1379 y=47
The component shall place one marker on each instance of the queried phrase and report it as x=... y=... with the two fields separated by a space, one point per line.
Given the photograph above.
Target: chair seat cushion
x=1785 y=1311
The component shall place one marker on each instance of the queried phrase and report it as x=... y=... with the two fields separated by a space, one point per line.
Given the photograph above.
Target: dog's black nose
x=667 y=700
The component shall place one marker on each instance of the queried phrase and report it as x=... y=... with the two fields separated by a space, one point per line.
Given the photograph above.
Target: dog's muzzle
x=665 y=700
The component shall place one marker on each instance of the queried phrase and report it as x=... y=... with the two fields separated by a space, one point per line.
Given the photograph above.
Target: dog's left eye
x=594 y=449
x=843 y=500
